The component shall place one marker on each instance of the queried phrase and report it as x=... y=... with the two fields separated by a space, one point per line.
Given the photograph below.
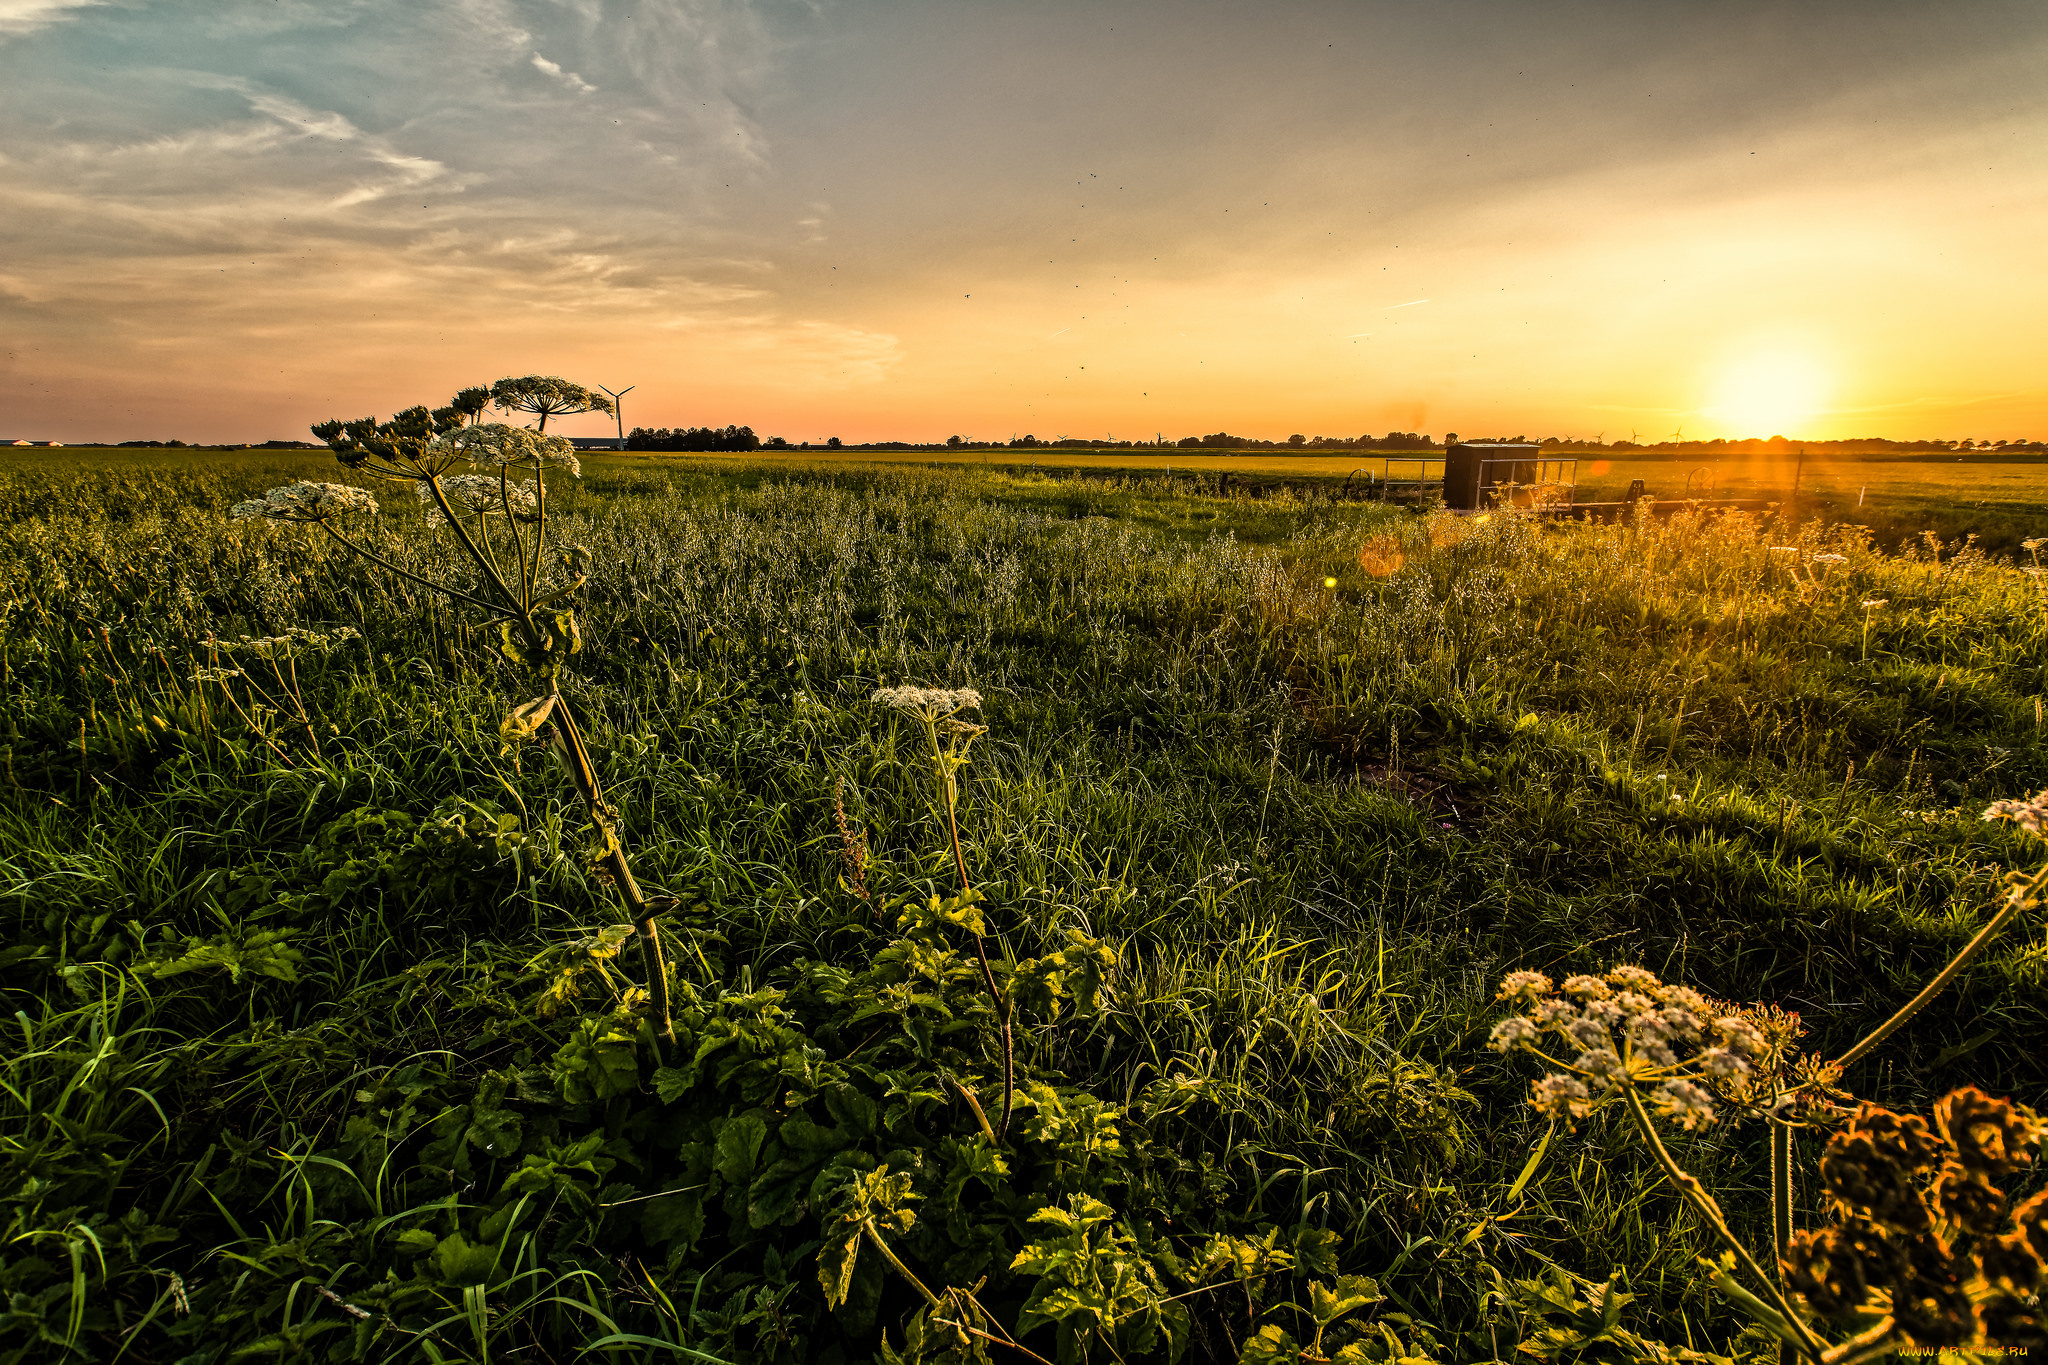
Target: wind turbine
x=618 y=410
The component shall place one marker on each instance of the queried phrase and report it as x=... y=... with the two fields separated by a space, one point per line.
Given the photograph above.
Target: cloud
x=22 y=16
x=568 y=78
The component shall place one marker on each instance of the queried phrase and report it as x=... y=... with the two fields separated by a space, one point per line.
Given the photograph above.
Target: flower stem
x=2017 y=899
x=382 y=562
x=950 y=792
x=1694 y=1193
x=584 y=773
x=867 y=1225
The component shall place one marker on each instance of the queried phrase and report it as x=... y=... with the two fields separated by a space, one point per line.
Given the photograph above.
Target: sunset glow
x=907 y=219
x=1769 y=393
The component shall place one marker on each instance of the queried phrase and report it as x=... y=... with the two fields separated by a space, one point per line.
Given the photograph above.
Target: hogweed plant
x=256 y=700
x=1919 y=1256
x=464 y=473
x=947 y=739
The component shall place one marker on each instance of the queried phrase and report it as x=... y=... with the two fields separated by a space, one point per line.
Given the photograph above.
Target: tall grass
x=285 y=1014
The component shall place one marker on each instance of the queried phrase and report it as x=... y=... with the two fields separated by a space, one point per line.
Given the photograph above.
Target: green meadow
x=322 y=1045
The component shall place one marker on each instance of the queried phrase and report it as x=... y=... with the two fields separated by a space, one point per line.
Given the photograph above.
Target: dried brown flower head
x=1991 y=1136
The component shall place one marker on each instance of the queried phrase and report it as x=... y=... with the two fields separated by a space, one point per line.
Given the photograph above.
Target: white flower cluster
x=2030 y=815
x=494 y=443
x=294 y=637
x=1627 y=1030
x=304 y=502
x=479 y=495
x=930 y=702
x=1831 y=559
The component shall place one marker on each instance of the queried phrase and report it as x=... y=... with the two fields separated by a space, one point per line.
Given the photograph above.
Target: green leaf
x=671 y=1084
x=835 y=1267
x=1349 y=1294
x=738 y=1145
x=1269 y=1346
x=459 y=1263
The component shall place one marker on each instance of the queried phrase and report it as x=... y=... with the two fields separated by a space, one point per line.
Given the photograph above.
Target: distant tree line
x=696 y=438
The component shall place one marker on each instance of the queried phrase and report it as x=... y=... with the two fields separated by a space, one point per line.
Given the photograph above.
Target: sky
x=910 y=219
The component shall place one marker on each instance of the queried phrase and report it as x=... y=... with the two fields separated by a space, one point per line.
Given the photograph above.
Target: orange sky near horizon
x=911 y=220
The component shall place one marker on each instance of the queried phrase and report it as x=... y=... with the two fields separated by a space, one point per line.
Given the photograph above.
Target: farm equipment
x=1480 y=475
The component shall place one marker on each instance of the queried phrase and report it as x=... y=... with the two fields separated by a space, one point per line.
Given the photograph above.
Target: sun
x=1769 y=393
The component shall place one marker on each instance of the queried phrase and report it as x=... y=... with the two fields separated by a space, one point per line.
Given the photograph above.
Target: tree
x=1297 y=439
x=548 y=395
x=832 y=444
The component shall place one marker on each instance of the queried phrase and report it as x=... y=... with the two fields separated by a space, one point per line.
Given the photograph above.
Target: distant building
x=595 y=442
x=30 y=443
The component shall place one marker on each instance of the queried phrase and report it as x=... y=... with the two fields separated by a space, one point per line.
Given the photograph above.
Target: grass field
x=324 y=1050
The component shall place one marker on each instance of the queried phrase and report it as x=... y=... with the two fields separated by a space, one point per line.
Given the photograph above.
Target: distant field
x=2001 y=502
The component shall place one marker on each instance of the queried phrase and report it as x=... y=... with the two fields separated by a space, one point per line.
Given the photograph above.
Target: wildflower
x=1634 y=978
x=1553 y=1013
x=215 y=675
x=1588 y=1033
x=1561 y=1096
x=1968 y=1201
x=2030 y=815
x=1588 y=987
x=1603 y=1066
x=1831 y=559
x=1656 y=1051
x=930 y=702
x=1990 y=1135
x=1723 y=1064
x=1610 y=1013
x=1524 y=986
x=1786 y=549
x=304 y=502
x=1680 y=1022
x=1741 y=1035
x=1634 y=1005
x=1873 y=603
x=2032 y=545
x=1511 y=1033
x=1685 y=1104
x=480 y=495
x=1687 y=999
x=494 y=443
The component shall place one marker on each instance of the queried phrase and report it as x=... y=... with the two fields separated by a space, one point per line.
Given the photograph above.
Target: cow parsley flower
x=1635 y=978
x=929 y=702
x=480 y=495
x=495 y=444
x=1560 y=1096
x=1511 y=1033
x=304 y=502
x=2030 y=815
x=1586 y=987
x=1686 y=1104
x=1723 y=1063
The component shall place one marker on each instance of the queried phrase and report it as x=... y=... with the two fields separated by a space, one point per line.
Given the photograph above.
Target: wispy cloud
x=568 y=78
